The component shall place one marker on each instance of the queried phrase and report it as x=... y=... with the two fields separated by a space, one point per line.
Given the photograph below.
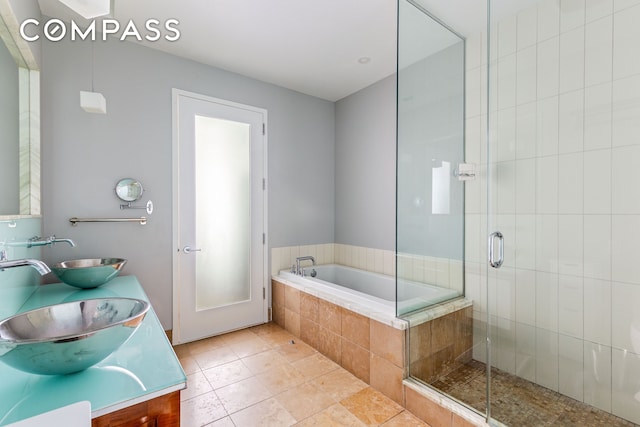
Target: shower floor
x=518 y=402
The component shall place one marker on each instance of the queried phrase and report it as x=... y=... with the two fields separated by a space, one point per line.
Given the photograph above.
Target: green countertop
x=143 y=368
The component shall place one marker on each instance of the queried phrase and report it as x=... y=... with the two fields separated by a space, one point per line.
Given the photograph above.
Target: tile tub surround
x=371 y=350
x=441 y=345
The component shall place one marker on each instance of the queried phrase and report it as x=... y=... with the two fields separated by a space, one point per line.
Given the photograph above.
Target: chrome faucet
x=40 y=266
x=299 y=271
x=43 y=241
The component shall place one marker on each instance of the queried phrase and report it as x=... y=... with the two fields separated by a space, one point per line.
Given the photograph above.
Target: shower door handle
x=189 y=249
x=496 y=263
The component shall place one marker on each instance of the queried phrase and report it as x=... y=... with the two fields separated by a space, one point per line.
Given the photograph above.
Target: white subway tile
x=597 y=117
x=547 y=301
x=547 y=127
x=570 y=244
x=525 y=186
x=572 y=60
x=547 y=359
x=548 y=19
x=442 y=275
x=597 y=246
x=571 y=367
x=547 y=243
x=526 y=130
x=507 y=36
x=625 y=318
x=527 y=27
x=597 y=376
x=362 y=258
x=275 y=261
x=626 y=111
x=379 y=261
x=526 y=352
x=525 y=242
x=507 y=81
x=526 y=78
x=597 y=311
x=625 y=162
x=506 y=224
x=572 y=14
x=505 y=190
x=475 y=289
x=625 y=247
x=598 y=55
x=473 y=92
x=570 y=183
x=473 y=51
x=570 y=307
x=548 y=74
x=525 y=297
x=472 y=238
x=547 y=185
x=618 y=5
x=472 y=146
x=506 y=137
x=626 y=33
x=389 y=263
x=598 y=9
x=571 y=122
x=504 y=345
x=371 y=259
x=417 y=269
x=330 y=253
x=506 y=293
x=624 y=393
x=456 y=275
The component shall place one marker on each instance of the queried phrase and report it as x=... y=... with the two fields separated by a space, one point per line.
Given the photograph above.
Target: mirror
x=129 y=190
x=19 y=123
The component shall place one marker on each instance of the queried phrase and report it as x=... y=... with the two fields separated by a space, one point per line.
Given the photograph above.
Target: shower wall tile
x=507 y=36
x=597 y=246
x=547 y=185
x=623 y=4
x=570 y=307
x=547 y=127
x=547 y=362
x=626 y=111
x=525 y=180
x=571 y=122
x=547 y=301
x=526 y=75
x=526 y=129
x=548 y=67
x=526 y=352
x=598 y=58
x=473 y=84
x=597 y=311
x=525 y=295
x=597 y=375
x=527 y=28
x=598 y=9
x=473 y=51
x=572 y=60
x=570 y=183
x=525 y=242
x=626 y=57
x=625 y=235
x=507 y=82
x=570 y=244
x=597 y=182
x=626 y=385
x=547 y=243
x=624 y=165
x=572 y=14
x=548 y=19
x=625 y=319
x=597 y=117
x=570 y=372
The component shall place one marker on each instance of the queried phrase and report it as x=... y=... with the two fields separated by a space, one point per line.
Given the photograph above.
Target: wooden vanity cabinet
x=163 y=411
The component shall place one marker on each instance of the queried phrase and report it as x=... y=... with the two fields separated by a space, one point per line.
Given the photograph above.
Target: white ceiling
x=309 y=46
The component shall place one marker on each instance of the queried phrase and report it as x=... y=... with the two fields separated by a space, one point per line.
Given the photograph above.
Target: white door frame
x=175 y=152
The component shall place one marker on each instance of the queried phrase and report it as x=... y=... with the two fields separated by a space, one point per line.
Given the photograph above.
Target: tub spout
x=300 y=271
x=40 y=266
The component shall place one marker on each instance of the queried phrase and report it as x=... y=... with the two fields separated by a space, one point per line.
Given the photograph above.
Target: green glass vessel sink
x=69 y=337
x=88 y=273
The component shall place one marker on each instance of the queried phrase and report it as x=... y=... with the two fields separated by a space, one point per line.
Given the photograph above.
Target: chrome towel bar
x=74 y=221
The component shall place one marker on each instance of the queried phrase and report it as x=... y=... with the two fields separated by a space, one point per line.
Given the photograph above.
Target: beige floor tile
x=229 y=373
x=315 y=365
x=222 y=422
x=242 y=394
x=182 y=350
x=405 y=419
x=272 y=334
x=305 y=400
x=295 y=350
x=205 y=345
x=201 y=410
x=371 y=407
x=262 y=362
x=249 y=346
x=189 y=364
x=215 y=357
x=238 y=336
x=334 y=416
x=268 y=413
x=197 y=384
x=339 y=384
x=281 y=378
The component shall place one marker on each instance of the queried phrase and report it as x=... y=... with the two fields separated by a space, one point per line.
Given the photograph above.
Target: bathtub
x=367 y=293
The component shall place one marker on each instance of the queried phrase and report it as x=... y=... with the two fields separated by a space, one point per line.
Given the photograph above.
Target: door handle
x=189 y=249
x=496 y=263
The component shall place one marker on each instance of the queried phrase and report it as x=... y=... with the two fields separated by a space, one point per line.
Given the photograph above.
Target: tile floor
x=263 y=376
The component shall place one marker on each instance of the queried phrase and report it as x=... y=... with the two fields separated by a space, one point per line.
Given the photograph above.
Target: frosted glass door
x=220 y=259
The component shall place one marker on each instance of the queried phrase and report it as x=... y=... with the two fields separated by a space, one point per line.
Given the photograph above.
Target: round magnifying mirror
x=129 y=190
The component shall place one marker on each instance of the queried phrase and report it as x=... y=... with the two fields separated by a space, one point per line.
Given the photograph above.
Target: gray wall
x=85 y=154
x=365 y=166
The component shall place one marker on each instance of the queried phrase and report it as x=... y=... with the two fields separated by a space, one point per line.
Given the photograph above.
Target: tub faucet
x=40 y=266
x=43 y=241
x=300 y=271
